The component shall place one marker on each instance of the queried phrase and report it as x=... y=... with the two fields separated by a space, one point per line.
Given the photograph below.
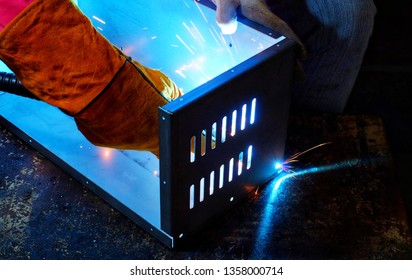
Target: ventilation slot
x=213 y=137
x=239 y=121
x=202 y=190
x=224 y=124
x=253 y=111
x=192 y=196
x=203 y=142
x=221 y=176
x=212 y=183
x=215 y=180
x=231 y=164
x=234 y=120
x=193 y=149
x=240 y=164
x=249 y=157
x=243 y=119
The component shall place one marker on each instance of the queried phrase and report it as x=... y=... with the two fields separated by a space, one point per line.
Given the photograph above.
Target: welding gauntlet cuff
x=54 y=50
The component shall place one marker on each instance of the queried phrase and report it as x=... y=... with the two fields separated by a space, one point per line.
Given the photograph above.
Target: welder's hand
x=257 y=11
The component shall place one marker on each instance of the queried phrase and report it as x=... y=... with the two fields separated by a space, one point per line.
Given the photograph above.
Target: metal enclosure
x=223 y=140
x=218 y=142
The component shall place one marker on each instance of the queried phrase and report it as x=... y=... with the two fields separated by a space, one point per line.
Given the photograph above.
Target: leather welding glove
x=58 y=56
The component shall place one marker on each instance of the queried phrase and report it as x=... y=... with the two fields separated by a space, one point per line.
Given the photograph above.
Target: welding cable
x=10 y=83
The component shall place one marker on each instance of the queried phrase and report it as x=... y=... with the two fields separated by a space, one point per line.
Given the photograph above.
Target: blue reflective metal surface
x=179 y=37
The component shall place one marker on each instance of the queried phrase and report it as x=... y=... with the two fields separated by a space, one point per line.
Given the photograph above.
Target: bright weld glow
x=278 y=181
x=106 y=154
x=278 y=166
x=274 y=188
x=228 y=28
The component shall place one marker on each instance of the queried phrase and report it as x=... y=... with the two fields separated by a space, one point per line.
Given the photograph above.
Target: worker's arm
x=56 y=53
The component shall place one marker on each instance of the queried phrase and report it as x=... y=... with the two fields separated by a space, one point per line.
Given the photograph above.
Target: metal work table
x=347 y=208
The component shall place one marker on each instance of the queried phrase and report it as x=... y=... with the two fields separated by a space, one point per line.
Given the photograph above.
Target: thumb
x=226 y=16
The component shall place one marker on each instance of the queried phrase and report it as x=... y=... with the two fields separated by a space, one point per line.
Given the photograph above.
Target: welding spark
x=201 y=12
x=198 y=32
x=214 y=37
x=189 y=30
x=184 y=44
x=99 y=20
x=193 y=65
x=286 y=165
x=186 y=4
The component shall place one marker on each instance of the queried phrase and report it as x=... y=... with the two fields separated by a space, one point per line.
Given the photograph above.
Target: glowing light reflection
x=192 y=28
x=229 y=27
x=275 y=187
x=106 y=154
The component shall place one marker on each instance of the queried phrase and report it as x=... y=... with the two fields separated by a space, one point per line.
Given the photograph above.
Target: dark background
x=384 y=86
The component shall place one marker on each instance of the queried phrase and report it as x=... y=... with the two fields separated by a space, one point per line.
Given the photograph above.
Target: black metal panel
x=265 y=79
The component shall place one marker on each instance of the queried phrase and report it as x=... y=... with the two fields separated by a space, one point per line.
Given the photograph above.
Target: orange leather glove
x=57 y=55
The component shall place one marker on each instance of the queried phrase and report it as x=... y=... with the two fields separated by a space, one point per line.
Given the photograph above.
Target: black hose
x=10 y=83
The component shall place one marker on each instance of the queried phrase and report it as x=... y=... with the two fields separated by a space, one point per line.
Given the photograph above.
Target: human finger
x=226 y=16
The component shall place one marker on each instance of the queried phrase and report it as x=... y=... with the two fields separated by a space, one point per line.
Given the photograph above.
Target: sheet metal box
x=217 y=143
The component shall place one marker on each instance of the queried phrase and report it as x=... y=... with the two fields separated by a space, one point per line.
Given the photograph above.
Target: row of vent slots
x=239 y=170
x=246 y=111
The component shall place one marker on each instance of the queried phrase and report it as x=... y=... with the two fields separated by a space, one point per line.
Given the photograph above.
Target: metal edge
x=149 y=228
